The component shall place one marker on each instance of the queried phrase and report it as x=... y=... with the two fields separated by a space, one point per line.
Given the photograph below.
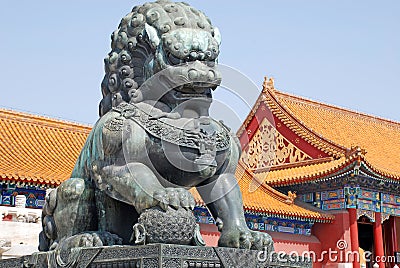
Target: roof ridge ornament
x=356 y=150
x=269 y=84
x=291 y=197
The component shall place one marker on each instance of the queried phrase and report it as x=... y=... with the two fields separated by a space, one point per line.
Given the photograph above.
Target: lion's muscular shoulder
x=113 y=137
x=98 y=145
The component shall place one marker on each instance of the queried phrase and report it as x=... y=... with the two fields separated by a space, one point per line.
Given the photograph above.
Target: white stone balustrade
x=20 y=214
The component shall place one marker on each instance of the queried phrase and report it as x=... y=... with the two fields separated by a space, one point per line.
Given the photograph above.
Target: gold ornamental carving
x=269 y=148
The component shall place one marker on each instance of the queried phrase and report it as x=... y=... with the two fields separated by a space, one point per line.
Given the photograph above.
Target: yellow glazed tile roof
x=265 y=199
x=303 y=172
x=378 y=138
x=36 y=149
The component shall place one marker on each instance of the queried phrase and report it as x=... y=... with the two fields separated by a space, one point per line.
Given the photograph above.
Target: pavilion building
x=343 y=162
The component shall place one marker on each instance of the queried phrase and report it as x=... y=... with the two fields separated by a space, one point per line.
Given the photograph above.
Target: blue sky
x=341 y=52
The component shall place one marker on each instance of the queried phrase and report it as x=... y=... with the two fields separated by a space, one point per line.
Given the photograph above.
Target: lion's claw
x=97 y=239
x=242 y=237
x=175 y=198
x=89 y=239
x=261 y=241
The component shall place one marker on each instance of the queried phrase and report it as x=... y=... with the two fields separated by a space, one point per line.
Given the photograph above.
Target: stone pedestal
x=157 y=255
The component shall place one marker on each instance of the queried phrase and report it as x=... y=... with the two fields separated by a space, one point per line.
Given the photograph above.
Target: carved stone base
x=156 y=255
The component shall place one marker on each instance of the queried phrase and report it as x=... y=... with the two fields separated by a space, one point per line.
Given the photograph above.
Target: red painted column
x=378 y=239
x=394 y=234
x=354 y=234
x=392 y=246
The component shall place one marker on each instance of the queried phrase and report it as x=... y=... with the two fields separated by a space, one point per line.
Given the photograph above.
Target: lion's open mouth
x=194 y=90
x=191 y=79
x=172 y=60
x=185 y=95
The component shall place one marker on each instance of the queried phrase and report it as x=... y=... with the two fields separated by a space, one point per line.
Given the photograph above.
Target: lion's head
x=164 y=36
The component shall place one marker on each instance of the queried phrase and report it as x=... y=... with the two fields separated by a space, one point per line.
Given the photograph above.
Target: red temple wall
x=210 y=234
x=330 y=234
x=300 y=245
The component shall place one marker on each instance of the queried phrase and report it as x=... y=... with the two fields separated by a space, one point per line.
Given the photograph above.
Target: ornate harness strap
x=196 y=139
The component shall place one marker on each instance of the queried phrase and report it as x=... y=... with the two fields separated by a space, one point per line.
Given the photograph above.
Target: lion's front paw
x=87 y=239
x=90 y=239
x=175 y=198
x=242 y=237
x=262 y=241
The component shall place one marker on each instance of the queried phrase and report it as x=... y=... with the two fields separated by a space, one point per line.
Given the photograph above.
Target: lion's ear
x=217 y=35
x=152 y=34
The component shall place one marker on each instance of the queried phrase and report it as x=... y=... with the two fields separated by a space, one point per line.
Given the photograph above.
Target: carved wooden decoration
x=268 y=147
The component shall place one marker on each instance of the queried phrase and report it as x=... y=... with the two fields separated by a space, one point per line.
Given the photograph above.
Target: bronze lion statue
x=154 y=140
